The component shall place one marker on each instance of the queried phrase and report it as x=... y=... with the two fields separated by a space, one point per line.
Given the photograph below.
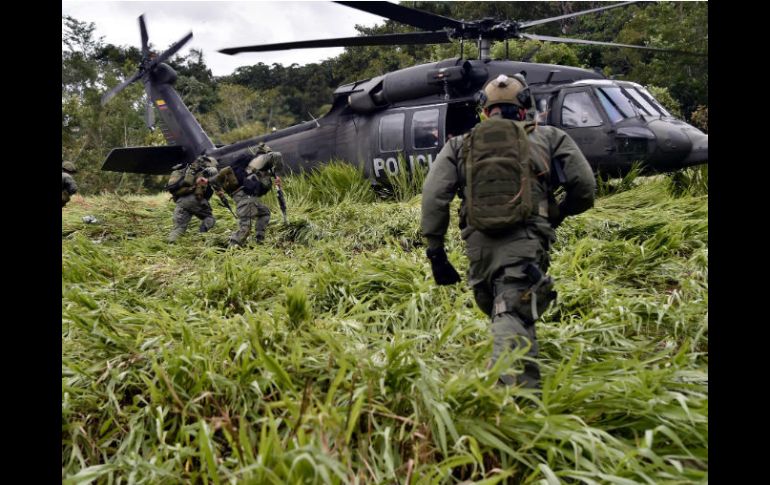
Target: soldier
x=191 y=191
x=246 y=180
x=506 y=171
x=68 y=185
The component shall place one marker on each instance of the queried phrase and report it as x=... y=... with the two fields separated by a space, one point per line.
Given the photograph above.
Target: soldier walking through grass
x=506 y=171
x=190 y=189
x=68 y=185
x=246 y=180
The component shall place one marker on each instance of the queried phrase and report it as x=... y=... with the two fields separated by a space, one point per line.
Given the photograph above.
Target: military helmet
x=504 y=90
x=69 y=167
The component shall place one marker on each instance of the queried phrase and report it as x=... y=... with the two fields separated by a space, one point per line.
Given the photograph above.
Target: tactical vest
x=501 y=185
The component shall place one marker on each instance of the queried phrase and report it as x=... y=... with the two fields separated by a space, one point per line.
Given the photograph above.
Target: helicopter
x=405 y=117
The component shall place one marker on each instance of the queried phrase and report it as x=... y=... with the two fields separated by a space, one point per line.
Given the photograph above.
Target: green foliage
x=297 y=306
x=700 y=118
x=694 y=181
x=608 y=186
x=328 y=355
x=406 y=184
x=669 y=25
x=536 y=51
x=331 y=184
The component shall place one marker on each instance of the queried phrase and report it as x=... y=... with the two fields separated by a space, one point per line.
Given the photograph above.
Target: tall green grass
x=328 y=355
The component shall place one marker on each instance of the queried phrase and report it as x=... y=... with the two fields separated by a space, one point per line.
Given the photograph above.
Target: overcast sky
x=216 y=25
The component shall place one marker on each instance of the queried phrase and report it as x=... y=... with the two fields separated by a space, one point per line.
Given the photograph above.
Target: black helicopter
x=412 y=112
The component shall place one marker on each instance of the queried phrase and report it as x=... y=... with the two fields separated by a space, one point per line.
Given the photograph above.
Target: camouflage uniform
x=247 y=208
x=250 y=181
x=504 y=267
x=68 y=185
x=193 y=201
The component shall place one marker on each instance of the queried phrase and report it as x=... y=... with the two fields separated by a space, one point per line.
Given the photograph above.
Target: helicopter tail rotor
x=148 y=64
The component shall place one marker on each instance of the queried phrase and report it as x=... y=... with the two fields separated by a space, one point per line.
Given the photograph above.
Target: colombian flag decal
x=161 y=104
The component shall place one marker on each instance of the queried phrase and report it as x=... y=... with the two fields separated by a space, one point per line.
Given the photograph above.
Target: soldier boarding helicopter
x=413 y=111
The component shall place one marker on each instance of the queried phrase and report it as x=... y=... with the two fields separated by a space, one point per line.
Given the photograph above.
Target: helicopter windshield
x=654 y=101
x=612 y=112
x=641 y=103
x=613 y=96
x=629 y=102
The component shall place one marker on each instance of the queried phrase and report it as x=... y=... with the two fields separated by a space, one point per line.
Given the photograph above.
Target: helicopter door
x=406 y=135
x=425 y=137
x=577 y=112
x=388 y=143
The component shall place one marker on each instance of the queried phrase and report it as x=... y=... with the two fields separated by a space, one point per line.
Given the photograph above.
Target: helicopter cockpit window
x=425 y=129
x=620 y=101
x=578 y=111
x=642 y=103
x=612 y=113
x=392 y=132
x=655 y=102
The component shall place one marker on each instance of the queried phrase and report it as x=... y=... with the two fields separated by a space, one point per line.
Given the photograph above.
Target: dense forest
x=254 y=99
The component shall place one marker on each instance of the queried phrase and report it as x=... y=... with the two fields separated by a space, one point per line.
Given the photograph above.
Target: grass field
x=328 y=355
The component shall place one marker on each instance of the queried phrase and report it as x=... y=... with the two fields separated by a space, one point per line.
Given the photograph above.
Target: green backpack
x=182 y=181
x=498 y=175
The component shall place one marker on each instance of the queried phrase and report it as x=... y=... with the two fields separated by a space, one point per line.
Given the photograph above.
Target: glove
x=443 y=271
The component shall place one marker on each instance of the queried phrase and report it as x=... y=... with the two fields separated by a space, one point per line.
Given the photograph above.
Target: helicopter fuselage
x=402 y=119
x=419 y=110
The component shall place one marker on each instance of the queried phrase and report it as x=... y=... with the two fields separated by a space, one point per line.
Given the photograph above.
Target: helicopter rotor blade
x=405 y=15
x=143 y=31
x=567 y=40
x=120 y=87
x=384 y=39
x=173 y=49
x=532 y=23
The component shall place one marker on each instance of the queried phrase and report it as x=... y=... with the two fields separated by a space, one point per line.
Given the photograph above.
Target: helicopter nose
x=678 y=144
x=700 y=149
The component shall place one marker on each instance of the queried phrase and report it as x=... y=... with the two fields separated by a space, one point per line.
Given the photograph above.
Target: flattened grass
x=328 y=355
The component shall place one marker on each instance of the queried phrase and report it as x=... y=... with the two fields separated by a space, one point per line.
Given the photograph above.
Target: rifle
x=281 y=198
x=224 y=202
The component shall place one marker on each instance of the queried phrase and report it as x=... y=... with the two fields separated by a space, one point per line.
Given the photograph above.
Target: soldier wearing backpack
x=191 y=191
x=505 y=171
x=246 y=180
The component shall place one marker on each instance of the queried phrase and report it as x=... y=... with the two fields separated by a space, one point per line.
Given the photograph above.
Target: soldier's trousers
x=248 y=208
x=188 y=206
x=512 y=325
x=502 y=280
